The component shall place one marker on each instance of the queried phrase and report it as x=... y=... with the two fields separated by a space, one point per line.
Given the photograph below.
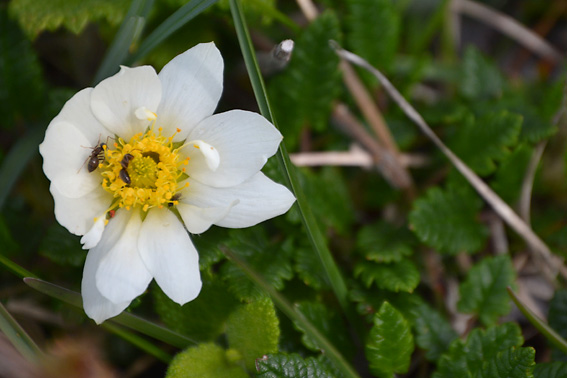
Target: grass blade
x=173 y=23
x=292 y=182
x=17 y=336
x=139 y=342
x=128 y=320
x=129 y=31
x=548 y=332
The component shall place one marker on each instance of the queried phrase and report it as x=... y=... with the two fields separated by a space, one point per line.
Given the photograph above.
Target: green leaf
x=509 y=177
x=511 y=363
x=433 y=332
x=205 y=361
x=480 y=78
x=398 y=276
x=557 y=319
x=202 y=319
x=253 y=330
x=208 y=245
x=390 y=343
x=467 y=359
x=19 y=338
x=482 y=141
x=484 y=291
x=551 y=370
x=270 y=258
x=384 y=243
x=304 y=92
x=19 y=68
x=446 y=220
x=373 y=30
x=308 y=267
x=290 y=366
x=62 y=247
x=36 y=16
x=328 y=323
x=369 y=301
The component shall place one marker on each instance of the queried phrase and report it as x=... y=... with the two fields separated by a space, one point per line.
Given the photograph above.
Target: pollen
x=143 y=172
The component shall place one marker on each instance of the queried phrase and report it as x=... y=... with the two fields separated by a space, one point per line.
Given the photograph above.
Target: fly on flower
x=186 y=168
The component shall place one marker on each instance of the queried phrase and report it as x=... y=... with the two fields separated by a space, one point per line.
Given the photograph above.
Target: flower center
x=143 y=172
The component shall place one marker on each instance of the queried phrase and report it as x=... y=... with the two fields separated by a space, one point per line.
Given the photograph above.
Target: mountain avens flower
x=139 y=160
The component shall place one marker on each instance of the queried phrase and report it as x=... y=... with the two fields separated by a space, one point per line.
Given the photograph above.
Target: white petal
x=170 y=255
x=192 y=86
x=198 y=220
x=78 y=214
x=114 y=101
x=93 y=236
x=259 y=199
x=244 y=141
x=121 y=275
x=198 y=150
x=96 y=306
x=69 y=142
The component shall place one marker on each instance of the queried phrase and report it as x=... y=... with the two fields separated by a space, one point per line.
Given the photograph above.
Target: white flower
x=138 y=159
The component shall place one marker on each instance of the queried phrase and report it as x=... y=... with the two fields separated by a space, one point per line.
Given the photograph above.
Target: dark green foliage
x=446 y=220
x=308 y=267
x=269 y=258
x=373 y=30
x=370 y=300
x=209 y=245
x=433 y=332
x=253 y=330
x=62 y=247
x=550 y=370
x=481 y=141
x=480 y=78
x=471 y=357
x=397 y=276
x=510 y=175
x=484 y=291
x=384 y=243
x=291 y=366
x=557 y=319
x=7 y=243
x=328 y=323
x=302 y=95
x=202 y=319
x=390 y=343
x=21 y=82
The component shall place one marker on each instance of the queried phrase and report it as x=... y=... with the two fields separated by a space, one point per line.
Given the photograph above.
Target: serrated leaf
x=373 y=30
x=397 y=276
x=309 y=268
x=390 y=343
x=253 y=330
x=328 y=323
x=304 y=92
x=272 y=259
x=290 y=366
x=511 y=363
x=36 y=16
x=480 y=78
x=62 y=247
x=466 y=359
x=484 y=291
x=551 y=370
x=205 y=361
x=369 y=302
x=433 y=332
x=482 y=141
x=509 y=177
x=382 y=242
x=19 y=68
x=446 y=220
x=557 y=319
x=203 y=318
